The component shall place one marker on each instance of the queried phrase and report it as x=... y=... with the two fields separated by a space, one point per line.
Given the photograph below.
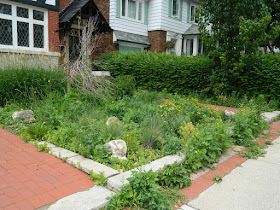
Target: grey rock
x=118 y=148
x=23 y=115
x=94 y=198
x=270 y=116
x=229 y=113
x=113 y=120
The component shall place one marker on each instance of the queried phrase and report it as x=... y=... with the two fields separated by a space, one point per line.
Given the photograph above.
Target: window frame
x=192 y=17
x=137 y=10
x=178 y=9
x=31 y=22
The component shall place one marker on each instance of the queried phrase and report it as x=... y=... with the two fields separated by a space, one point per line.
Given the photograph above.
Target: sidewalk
x=30 y=179
x=253 y=185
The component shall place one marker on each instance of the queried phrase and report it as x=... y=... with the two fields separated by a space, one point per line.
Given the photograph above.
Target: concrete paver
x=30 y=179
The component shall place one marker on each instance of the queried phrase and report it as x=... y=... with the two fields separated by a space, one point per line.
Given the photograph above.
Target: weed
x=64 y=159
x=267 y=142
x=79 y=165
x=99 y=179
x=253 y=152
x=42 y=147
x=217 y=178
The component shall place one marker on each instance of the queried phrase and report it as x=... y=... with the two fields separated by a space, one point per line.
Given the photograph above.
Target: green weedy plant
x=174 y=176
x=217 y=178
x=41 y=147
x=99 y=178
x=28 y=84
x=247 y=126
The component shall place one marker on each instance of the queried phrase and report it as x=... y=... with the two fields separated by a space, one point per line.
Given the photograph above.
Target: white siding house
x=135 y=21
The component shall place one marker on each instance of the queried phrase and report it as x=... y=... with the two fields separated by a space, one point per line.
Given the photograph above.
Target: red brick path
x=205 y=181
x=30 y=179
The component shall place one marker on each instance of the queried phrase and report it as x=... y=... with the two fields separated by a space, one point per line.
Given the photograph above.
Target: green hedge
x=155 y=71
x=253 y=75
x=259 y=74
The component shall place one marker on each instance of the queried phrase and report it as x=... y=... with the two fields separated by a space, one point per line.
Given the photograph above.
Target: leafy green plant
x=217 y=178
x=99 y=178
x=42 y=147
x=174 y=176
x=253 y=152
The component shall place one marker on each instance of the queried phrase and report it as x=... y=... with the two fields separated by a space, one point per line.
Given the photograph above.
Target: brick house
x=50 y=28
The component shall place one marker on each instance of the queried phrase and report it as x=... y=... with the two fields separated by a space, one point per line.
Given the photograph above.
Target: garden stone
x=23 y=115
x=229 y=113
x=113 y=120
x=118 y=148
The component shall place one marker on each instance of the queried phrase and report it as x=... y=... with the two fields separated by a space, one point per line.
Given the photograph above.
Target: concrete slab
x=95 y=198
x=185 y=207
x=62 y=153
x=87 y=165
x=118 y=181
x=270 y=116
x=254 y=186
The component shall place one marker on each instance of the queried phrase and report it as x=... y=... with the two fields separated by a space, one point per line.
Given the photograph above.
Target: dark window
x=6 y=34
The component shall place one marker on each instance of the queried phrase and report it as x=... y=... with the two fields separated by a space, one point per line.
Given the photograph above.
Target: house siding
x=126 y=25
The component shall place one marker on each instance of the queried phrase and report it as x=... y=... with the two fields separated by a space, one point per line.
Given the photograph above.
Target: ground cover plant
x=153 y=125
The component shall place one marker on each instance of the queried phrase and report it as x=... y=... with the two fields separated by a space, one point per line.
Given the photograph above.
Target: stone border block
x=95 y=198
x=88 y=165
x=270 y=116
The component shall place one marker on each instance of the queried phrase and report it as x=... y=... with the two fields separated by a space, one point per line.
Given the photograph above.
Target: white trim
x=14 y=47
x=128 y=44
x=28 y=51
x=179 y=9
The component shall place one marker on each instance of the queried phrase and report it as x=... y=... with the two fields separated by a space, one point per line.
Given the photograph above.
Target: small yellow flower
x=160 y=137
x=44 y=122
x=21 y=110
x=49 y=80
x=127 y=134
x=198 y=112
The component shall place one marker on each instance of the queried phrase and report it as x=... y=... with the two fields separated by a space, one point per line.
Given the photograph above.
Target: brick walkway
x=30 y=179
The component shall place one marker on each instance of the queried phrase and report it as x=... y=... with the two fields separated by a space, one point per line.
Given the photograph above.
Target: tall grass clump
x=22 y=84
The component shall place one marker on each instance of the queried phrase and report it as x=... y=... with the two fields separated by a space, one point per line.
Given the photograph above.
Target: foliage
x=42 y=147
x=217 y=178
x=254 y=151
x=258 y=74
x=207 y=144
x=155 y=71
x=28 y=84
x=248 y=125
x=174 y=176
x=99 y=178
x=254 y=33
x=224 y=18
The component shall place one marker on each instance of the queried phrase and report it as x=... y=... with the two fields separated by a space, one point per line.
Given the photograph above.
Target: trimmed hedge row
x=259 y=74
x=155 y=71
x=254 y=74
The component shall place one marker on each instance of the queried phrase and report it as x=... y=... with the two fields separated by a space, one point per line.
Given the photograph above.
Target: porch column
x=195 y=46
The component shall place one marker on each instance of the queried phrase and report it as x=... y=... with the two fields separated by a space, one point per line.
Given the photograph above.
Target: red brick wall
x=53 y=18
x=104 y=8
x=63 y=4
x=106 y=44
x=157 y=40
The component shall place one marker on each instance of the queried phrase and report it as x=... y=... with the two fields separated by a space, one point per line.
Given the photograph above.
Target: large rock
x=118 y=148
x=113 y=120
x=23 y=115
